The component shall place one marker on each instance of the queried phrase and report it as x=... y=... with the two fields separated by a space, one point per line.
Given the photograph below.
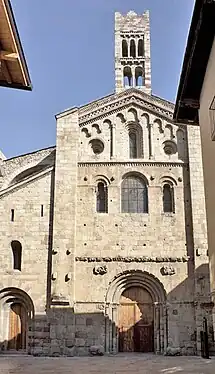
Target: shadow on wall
x=183 y=309
x=62 y=332
x=47 y=162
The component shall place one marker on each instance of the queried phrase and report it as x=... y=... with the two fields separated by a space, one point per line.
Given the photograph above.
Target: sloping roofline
x=199 y=44
x=12 y=56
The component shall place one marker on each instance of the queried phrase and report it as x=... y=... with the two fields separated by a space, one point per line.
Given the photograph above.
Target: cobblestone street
x=123 y=364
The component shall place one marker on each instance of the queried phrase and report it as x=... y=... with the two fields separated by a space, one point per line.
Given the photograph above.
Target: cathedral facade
x=104 y=237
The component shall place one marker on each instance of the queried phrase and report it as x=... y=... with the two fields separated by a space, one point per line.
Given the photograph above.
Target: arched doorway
x=136 y=321
x=16 y=318
x=18 y=326
x=136 y=313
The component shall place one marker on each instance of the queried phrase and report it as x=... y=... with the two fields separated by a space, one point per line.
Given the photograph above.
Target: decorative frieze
x=133 y=164
x=132 y=259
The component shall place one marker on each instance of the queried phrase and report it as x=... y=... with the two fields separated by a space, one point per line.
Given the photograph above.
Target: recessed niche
x=170 y=147
x=97 y=146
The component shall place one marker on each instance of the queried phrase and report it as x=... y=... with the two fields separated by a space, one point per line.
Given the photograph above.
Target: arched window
x=133 y=144
x=17 y=254
x=124 y=48
x=102 y=198
x=140 y=48
x=132 y=48
x=127 y=75
x=168 y=199
x=134 y=195
x=139 y=81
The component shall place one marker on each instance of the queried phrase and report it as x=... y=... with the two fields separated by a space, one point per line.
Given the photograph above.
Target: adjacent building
x=103 y=237
x=195 y=105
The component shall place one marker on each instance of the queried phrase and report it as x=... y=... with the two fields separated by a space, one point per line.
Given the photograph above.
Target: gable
x=116 y=102
x=108 y=137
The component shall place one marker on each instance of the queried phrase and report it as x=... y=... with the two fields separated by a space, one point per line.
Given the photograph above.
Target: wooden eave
x=199 y=44
x=13 y=67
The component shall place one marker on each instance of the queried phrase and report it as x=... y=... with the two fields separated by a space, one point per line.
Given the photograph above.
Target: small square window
x=212 y=118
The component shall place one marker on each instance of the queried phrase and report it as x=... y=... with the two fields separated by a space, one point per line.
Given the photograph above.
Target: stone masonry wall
x=32 y=231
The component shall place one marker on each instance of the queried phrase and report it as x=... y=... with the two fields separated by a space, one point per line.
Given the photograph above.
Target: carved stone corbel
x=167 y=270
x=100 y=270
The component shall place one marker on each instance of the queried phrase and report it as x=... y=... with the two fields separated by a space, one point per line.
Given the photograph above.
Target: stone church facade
x=103 y=237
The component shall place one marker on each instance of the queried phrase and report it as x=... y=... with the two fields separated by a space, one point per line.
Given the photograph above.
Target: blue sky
x=69 y=47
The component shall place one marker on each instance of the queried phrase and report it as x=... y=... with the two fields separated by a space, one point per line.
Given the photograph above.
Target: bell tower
x=132 y=52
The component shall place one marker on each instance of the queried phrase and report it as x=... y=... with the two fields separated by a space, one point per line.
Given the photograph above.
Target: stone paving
x=122 y=364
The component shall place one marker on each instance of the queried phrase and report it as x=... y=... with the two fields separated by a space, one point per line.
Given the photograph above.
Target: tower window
x=132 y=48
x=124 y=48
x=139 y=76
x=127 y=75
x=17 y=254
x=102 y=198
x=168 y=199
x=133 y=144
x=134 y=195
x=41 y=211
x=140 y=48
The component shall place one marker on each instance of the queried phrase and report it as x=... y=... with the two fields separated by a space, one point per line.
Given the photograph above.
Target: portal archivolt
x=16 y=313
x=136 y=306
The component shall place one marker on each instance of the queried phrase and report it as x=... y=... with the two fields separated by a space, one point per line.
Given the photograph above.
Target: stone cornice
x=115 y=103
x=125 y=163
x=157 y=259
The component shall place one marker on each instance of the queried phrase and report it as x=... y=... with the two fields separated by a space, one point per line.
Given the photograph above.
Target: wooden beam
x=8 y=56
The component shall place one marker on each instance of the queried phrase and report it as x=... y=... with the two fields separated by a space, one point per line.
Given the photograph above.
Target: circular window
x=97 y=146
x=170 y=147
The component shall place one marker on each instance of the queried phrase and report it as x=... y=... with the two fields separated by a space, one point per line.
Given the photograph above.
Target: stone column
x=113 y=140
x=107 y=328
x=162 y=322
x=136 y=46
x=64 y=224
x=145 y=140
x=114 y=329
x=157 y=327
x=133 y=75
x=150 y=141
x=166 y=327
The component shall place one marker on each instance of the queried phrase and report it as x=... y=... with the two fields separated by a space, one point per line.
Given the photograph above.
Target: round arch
x=136 y=174
x=16 y=314
x=18 y=294
x=121 y=283
x=134 y=278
